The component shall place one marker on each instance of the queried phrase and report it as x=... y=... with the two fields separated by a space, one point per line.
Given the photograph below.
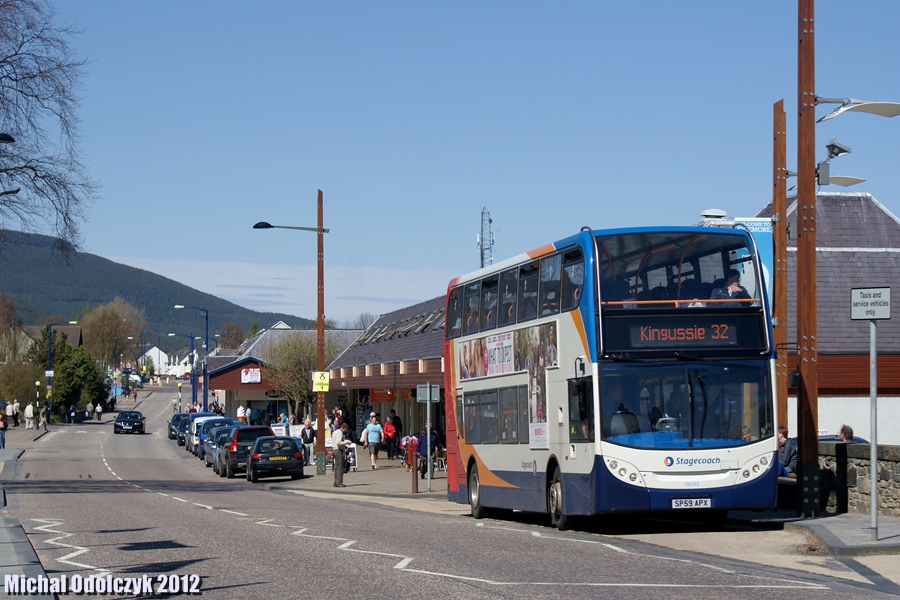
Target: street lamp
x=320 y=333
x=193 y=379
x=115 y=355
x=206 y=355
x=49 y=372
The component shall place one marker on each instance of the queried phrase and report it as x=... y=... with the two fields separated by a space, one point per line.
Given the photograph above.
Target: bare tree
x=42 y=178
x=289 y=365
x=363 y=320
x=104 y=323
x=10 y=325
x=232 y=335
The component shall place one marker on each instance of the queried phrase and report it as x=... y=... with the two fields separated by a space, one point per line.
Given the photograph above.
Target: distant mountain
x=34 y=274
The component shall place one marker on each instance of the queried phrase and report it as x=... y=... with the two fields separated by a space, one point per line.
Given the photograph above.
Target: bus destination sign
x=669 y=332
x=662 y=333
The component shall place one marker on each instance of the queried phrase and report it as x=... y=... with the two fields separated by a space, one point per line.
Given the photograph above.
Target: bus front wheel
x=558 y=518
x=478 y=511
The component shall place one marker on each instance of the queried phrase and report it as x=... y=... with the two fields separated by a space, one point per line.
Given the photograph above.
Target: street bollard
x=411 y=461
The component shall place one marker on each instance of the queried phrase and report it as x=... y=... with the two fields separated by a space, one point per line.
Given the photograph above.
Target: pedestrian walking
x=135 y=395
x=62 y=413
x=15 y=413
x=72 y=414
x=174 y=404
x=4 y=425
x=371 y=437
x=29 y=416
x=99 y=412
x=339 y=444
x=308 y=437
x=44 y=419
x=88 y=411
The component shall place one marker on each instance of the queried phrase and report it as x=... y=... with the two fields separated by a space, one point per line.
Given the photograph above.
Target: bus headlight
x=613 y=465
x=633 y=477
x=746 y=473
x=756 y=468
x=764 y=461
x=622 y=472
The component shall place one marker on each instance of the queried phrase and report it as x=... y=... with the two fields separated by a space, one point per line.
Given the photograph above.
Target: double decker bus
x=622 y=370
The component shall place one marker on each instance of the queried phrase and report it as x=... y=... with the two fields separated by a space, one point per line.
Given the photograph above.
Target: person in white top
x=29 y=416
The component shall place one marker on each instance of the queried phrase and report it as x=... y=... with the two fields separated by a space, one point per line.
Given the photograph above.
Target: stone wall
x=844 y=478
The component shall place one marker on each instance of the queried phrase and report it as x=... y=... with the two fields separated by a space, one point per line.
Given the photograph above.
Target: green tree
x=289 y=366
x=76 y=380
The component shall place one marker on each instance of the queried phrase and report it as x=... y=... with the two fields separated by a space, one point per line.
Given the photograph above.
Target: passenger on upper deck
x=731 y=289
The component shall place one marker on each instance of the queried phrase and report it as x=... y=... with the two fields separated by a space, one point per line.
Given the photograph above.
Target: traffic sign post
x=872 y=304
x=429 y=394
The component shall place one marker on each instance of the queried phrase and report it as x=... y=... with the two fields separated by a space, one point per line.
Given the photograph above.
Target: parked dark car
x=129 y=421
x=233 y=456
x=210 y=444
x=222 y=439
x=174 y=422
x=183 y=431
x=274 y=457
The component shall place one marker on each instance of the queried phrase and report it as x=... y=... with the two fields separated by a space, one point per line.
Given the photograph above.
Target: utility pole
x=807 y=331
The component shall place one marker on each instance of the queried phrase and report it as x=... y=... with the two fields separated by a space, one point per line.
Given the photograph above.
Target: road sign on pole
x=428 y=393
x=872 y=304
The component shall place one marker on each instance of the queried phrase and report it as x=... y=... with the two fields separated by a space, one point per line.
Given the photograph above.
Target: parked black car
x=234 y=452
x=129 y=421
x=274 y=457
x=174 y=422
x=183 y=431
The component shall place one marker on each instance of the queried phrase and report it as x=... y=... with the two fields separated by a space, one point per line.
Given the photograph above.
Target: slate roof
x=412 y=333
x=73 y=332
x=254 y=348
x=857 y=246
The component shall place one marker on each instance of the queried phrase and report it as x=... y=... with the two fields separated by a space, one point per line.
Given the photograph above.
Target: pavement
x=391 y=484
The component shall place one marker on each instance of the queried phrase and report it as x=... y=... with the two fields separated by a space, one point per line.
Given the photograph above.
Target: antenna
x=486 y=239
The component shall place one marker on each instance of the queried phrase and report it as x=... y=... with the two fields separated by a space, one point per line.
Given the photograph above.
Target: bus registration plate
x=691 y=503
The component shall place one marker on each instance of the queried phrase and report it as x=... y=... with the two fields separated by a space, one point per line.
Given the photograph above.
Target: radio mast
x=486 y=239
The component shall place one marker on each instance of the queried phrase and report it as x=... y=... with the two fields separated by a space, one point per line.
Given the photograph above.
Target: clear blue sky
x=201 y=118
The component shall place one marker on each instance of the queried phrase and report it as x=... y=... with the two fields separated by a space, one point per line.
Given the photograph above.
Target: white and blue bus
x=624 y=370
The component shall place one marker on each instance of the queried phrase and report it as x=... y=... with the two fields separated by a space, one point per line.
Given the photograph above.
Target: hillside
x=41 y=282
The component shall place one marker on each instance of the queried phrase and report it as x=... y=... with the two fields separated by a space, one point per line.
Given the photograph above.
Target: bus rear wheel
x=478 y=511
x=558 y=518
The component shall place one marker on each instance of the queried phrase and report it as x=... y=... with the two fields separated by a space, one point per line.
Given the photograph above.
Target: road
x=94 y=503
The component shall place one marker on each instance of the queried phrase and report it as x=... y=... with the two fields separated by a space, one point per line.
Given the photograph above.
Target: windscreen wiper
x=681 y=355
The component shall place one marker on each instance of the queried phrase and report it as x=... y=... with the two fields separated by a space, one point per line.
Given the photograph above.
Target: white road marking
x=79 y=550
x=232 y=512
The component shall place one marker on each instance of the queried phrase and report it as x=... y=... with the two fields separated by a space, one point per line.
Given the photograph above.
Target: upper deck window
x=550 y=282
x=677 y=269
x=489 y=304
x=471 y=301
x=508 y=285
x=528 y=284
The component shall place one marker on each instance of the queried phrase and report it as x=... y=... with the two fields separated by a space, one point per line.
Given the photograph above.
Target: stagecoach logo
x=530 y=466
x=692 y=462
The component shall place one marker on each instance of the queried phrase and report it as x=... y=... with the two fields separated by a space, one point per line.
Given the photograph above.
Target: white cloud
x=292 y=288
